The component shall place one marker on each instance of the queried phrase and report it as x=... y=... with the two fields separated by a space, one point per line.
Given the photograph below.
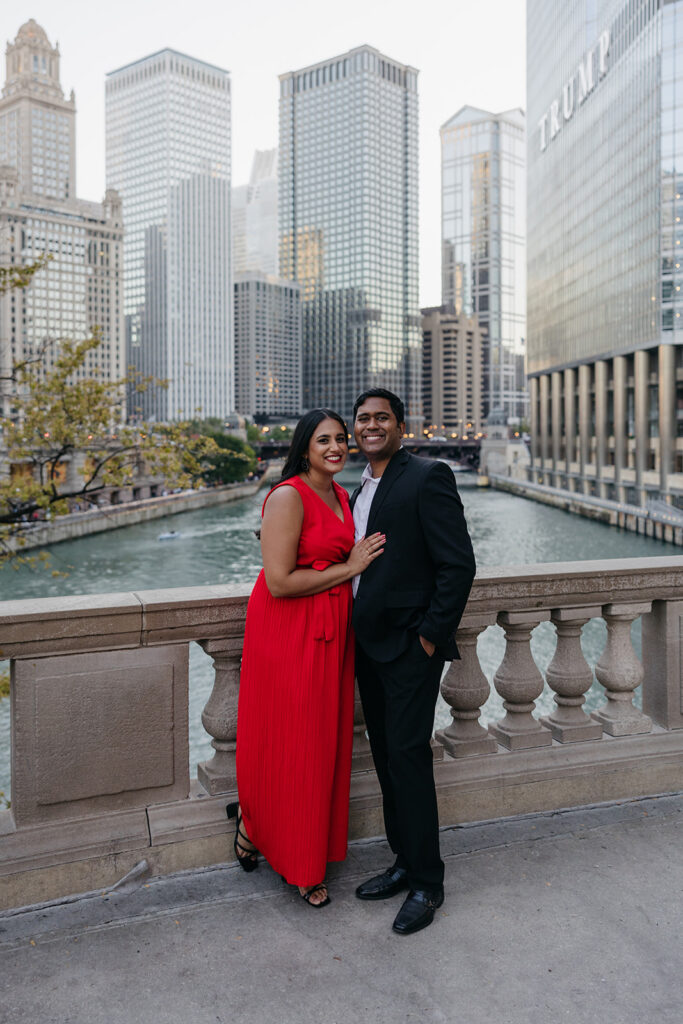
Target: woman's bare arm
x=280 y=532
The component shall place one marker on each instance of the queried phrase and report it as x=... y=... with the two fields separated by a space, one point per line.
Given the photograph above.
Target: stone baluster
x=570 y=676
x=519 y=683
x=362 y=756
x=621 y=673
x=219 y=717
x=465 y=689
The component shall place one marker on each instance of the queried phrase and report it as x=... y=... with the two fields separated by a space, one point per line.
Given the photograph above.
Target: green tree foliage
x=270 y=433
x=253 y=432
x=233 y=460
x=59 y=418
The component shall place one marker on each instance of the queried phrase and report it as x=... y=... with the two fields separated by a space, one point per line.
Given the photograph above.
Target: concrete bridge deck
x=573 y=915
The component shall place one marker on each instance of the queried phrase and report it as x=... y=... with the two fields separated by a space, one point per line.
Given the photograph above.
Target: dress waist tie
x=324 y=613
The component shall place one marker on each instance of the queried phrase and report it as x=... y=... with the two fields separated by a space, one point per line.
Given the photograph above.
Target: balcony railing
x=99 y=718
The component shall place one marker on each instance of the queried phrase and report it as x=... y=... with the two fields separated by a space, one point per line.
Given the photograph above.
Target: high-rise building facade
x=483 y=243
x=267 y=346
x=451 y=371
x=168 y=142
x=81 y=287
x=348 y=216
x=254 y=217
x=605 y=164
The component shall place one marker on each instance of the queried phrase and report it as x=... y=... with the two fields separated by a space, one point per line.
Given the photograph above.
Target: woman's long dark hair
x=303 y=432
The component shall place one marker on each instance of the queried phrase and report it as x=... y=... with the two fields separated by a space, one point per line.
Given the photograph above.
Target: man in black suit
x=407 y=606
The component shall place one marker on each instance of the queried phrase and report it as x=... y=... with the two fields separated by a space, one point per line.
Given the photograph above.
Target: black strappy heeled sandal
x=248 y=859
x=306 y=896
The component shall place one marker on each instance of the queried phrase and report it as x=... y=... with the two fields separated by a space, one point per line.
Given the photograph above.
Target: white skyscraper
x=168 y=153
x=80 y=288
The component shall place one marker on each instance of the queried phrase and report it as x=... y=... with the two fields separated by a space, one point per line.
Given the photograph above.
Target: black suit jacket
x=422 y=580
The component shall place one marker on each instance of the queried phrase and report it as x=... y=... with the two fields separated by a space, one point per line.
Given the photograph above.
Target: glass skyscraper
x=605 y=170
x=254 y=218
x=483 y=243
x=168 y=154
x=348 y=225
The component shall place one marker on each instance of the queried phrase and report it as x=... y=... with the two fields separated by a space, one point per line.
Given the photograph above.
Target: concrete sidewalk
x=573 y=915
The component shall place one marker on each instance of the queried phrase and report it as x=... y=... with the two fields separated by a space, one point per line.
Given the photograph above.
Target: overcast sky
x=467 y=52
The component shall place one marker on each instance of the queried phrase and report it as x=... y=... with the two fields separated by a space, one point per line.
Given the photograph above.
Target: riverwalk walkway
x=574 y=915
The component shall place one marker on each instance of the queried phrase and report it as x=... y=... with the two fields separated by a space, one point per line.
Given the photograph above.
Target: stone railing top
x=548 y=585
x=94 y=622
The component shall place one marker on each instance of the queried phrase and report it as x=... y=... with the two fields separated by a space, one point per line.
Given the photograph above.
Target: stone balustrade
x=99 y=718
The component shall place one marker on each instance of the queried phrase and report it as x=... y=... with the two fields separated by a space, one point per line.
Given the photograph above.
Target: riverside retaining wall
x=113 y=517
x=628 y=517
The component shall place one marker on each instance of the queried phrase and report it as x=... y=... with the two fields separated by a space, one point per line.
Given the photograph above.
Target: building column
x=533 y=422
x=556 y=414
x=667 y=416
x=544 y=426
x=620 y=453
x=569 y=424
x=641 y=373
x=584 y=423
x=600 y=426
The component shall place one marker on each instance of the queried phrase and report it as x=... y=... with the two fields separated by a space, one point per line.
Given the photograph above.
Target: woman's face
x=328 y=447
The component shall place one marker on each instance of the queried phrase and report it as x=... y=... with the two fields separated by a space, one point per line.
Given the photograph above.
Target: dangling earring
x=304 y=463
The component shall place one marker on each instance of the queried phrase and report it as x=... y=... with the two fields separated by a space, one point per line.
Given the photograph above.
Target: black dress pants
x=399 y=698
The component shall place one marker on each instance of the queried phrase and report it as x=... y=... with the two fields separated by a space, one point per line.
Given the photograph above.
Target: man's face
x=378 y=433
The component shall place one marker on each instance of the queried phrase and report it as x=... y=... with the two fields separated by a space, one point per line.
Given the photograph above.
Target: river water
x=217 y=545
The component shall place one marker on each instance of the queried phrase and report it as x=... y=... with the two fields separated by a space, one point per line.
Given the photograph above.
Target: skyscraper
x=81 y=287
x=451 y=371
x=348 y=215
x=267 y=345
x=483 y=243
x=605 y=159
x=254 y=217
x=168 y=153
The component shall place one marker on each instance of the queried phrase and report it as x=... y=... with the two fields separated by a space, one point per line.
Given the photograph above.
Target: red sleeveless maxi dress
x=295 y=713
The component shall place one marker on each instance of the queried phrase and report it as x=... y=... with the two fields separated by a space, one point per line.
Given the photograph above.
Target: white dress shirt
x=361 y=510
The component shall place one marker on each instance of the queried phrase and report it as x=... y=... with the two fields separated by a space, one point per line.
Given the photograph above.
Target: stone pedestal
x=662 y=664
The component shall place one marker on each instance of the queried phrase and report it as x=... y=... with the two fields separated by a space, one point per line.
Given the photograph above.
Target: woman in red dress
x=295 y=716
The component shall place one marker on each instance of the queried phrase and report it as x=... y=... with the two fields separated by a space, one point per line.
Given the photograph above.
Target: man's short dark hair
x=394 y=401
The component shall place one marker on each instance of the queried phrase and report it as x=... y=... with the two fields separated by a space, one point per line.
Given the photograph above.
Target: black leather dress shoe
x=417 y=911
x=381 y=887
